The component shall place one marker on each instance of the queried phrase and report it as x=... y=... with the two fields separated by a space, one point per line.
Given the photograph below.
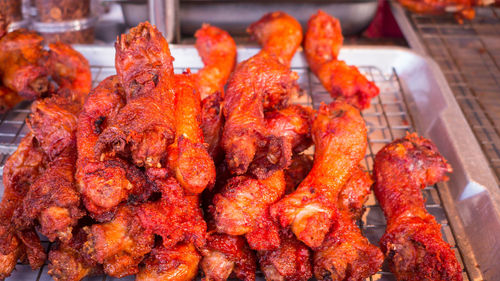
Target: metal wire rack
x=469 y=56
x=386 y=119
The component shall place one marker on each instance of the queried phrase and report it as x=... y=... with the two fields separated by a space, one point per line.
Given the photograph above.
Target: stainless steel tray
x=414 y=97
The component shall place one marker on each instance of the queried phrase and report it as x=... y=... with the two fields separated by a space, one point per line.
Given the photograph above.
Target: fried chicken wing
x=22 y=61
x=179 y=263
x=67 y=262
x=120 y=244
x=339 y=135
x=225 y=255
x=462 y=9
x=291 y=261
x=188 y=157
x=70 y=70
x=412 y=243
x=104 y=183
x=53 y=201
x=297 y=171
x=322 y=43
x=218 y=52
x=242 y=205
x=259 y=83
x=175 y=217
x=145 y=126
x=345 y=253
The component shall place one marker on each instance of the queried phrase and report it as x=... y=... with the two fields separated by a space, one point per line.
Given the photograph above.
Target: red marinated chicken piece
x=339 y=134
x=145 y=126
x=412 y=243
x=260 y=83
x=322 y=44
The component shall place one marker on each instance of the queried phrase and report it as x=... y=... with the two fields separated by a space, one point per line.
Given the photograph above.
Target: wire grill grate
x=386 y=119
x=469 y=56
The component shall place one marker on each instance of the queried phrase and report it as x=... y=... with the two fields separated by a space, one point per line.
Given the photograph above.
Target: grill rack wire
x=387 y=118
x=469 y=56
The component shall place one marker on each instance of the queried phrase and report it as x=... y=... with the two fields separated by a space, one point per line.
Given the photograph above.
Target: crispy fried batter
x=119 y=245
x=292 y=261
x=145 y=126
x=67 y=262
x=259 y=83
x=179 y=263
x=339 y=134
x=99 y=178
x=322 y=44
x=412 y=243
x=175 y=217
x=8 y=98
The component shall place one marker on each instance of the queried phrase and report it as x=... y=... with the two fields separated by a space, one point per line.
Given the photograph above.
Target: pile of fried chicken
x=163 y=175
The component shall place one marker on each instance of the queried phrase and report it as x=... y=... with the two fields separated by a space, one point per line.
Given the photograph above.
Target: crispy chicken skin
x=217 y=50
x=259 y=83
x=322 y=43
x=20 y=171
x=53 y=201
x=226 y=255
x=175 y=217
x=179 y=263
x=291 y=261
x=242 y=203
x=145 y=126
x=297 y=171
x=345 y=253
x=70 y=70
x=53 y=121
x=98 y=177
x=218 y=53
x=462 y=9
x=120 y=244
x=67 y=262
x=188 y=157
x=412 y=243
x=22 y=63
x=339 y=135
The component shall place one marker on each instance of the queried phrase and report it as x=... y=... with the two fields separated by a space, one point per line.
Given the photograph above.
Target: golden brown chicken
x=23 y=64
x=218 y=52
x=339 y=135
x=120 y=244
x=291 y=261
x=175 y=217
x=179 y=263
x=67 y=261
x=345 y=253
x=412 y=243
x=462 y=9
x=98 y=177
x=297 y=171
x=145 y=126
x=260 y=83
x=187 y=157
x=322 y=43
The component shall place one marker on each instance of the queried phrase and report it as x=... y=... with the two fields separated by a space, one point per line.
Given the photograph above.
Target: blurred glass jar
x=61 y=10
x=11 y=10
x=80 y=31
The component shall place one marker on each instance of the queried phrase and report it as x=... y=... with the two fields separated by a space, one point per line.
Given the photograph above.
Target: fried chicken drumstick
x=260 y=83
x=322 y=44
x=412 y=243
